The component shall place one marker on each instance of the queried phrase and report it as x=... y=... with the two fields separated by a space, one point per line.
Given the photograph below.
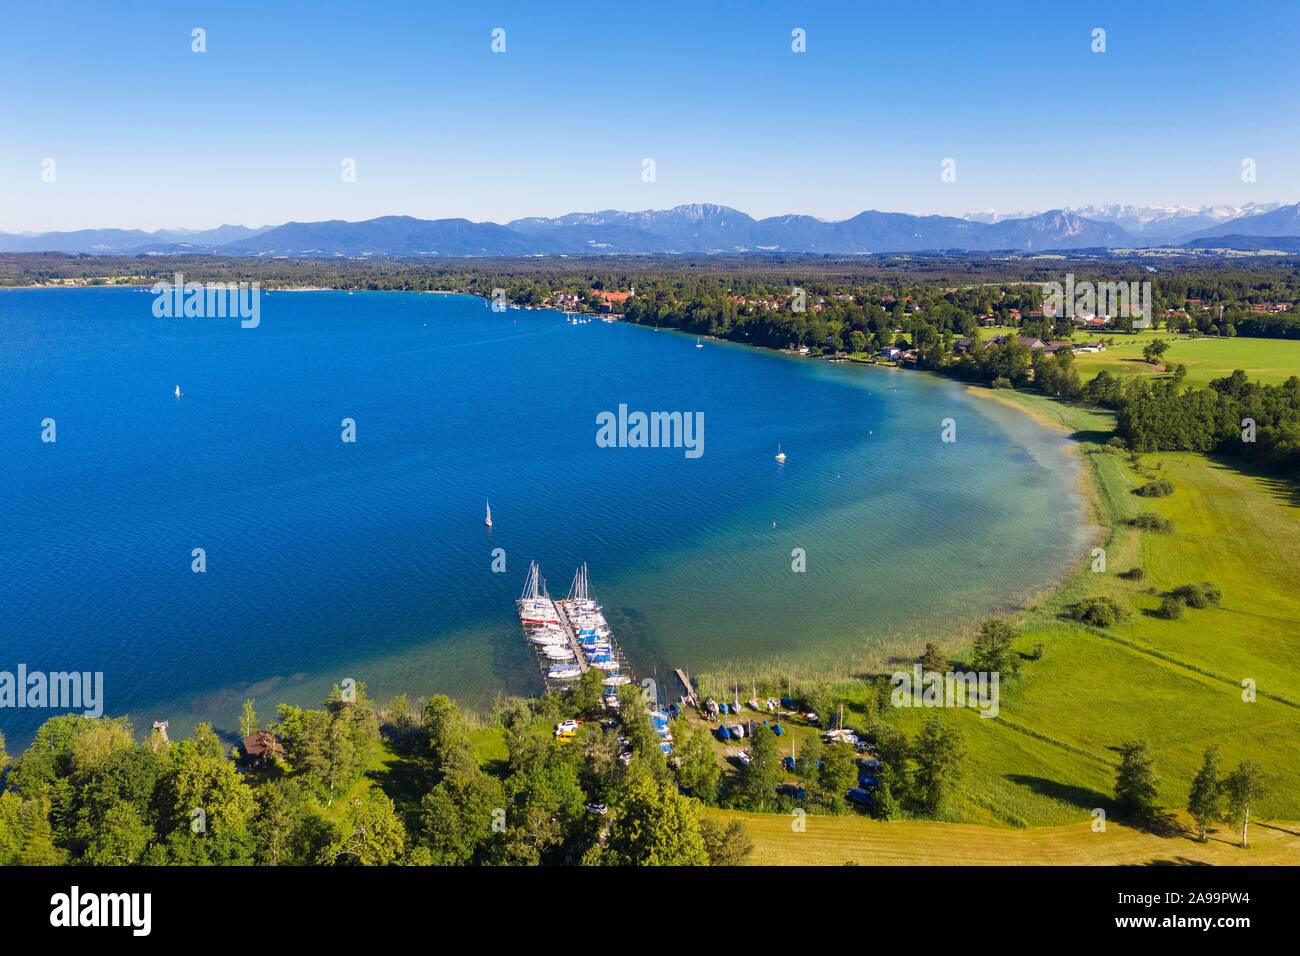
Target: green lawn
x=1271 y=361
x=1175 y=684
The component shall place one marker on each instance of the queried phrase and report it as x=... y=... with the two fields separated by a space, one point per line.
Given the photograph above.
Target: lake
x=370 y=559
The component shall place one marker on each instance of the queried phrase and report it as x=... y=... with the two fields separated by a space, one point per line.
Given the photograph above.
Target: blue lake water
x=371 y=560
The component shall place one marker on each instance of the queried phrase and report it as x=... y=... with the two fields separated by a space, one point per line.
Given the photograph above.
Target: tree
x=1135 y=781
x=992 y=652
x=884 y=805
x=933 y=659
x=589 y=691
x=543 y=808
x=1154 y=349
x=372 y=833
x=1206 y=796
x=698 y=772
x=809 y=760
x=127 y=778
x=634 y=716
x=457 y=816
x=448 y=736
x=286 y=825
x=247 y=721
x=120 y=839
x=726 y=846
x=11 y=827
x=204 y=781
x=651 y=824
x=400 y=717
x=838 y=772
x=1243 y=789
x=757 y=784
x=938 y=754
x=38 y=847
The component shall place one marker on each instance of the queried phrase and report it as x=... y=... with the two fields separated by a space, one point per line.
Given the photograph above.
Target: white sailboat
x=699 y=344
x=488 y=520
x=536 y=609
x=780 y=455
x=178 y=391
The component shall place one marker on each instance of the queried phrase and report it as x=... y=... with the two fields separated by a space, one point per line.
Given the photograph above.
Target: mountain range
x=703 y=228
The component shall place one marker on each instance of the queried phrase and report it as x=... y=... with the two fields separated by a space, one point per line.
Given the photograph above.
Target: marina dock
x=572 y=635
x=575 y=623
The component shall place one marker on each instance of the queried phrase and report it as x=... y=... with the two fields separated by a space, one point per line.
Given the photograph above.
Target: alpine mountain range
x=707 y=229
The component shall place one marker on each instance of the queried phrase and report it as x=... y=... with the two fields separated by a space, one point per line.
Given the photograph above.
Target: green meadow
x=1270 y=361
x=1048 y=758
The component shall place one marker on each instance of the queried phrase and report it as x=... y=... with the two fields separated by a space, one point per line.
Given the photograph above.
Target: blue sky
x=147 y=134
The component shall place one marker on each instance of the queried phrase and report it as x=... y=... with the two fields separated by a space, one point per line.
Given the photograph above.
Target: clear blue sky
x=147 y=134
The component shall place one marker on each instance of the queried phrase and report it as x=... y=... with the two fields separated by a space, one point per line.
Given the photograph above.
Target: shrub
x=1134 y=574
x=1171 y=608
x=1099 y=611
x=1159 y=488
x=1118 y=444
x=1001 y=382
x=1198 y=595
x=1147 y=521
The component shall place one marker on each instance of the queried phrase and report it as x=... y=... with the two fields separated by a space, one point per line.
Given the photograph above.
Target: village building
x=262 y=748
x=608 y=300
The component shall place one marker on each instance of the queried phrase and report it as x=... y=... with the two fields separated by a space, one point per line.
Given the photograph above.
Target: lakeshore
x=693 y=556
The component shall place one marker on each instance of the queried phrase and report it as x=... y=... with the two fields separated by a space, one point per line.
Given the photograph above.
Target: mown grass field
x=1271 y=361
x=837 y=841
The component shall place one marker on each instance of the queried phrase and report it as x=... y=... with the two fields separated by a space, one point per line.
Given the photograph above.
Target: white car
x=566 y=727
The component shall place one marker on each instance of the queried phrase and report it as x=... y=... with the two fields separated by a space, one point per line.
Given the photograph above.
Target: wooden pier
x=571 y=633
x=690 y=692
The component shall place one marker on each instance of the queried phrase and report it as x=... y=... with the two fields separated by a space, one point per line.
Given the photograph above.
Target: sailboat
x=178 y=391
x=488 y=520
x=780 y=455
x=699 y=344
